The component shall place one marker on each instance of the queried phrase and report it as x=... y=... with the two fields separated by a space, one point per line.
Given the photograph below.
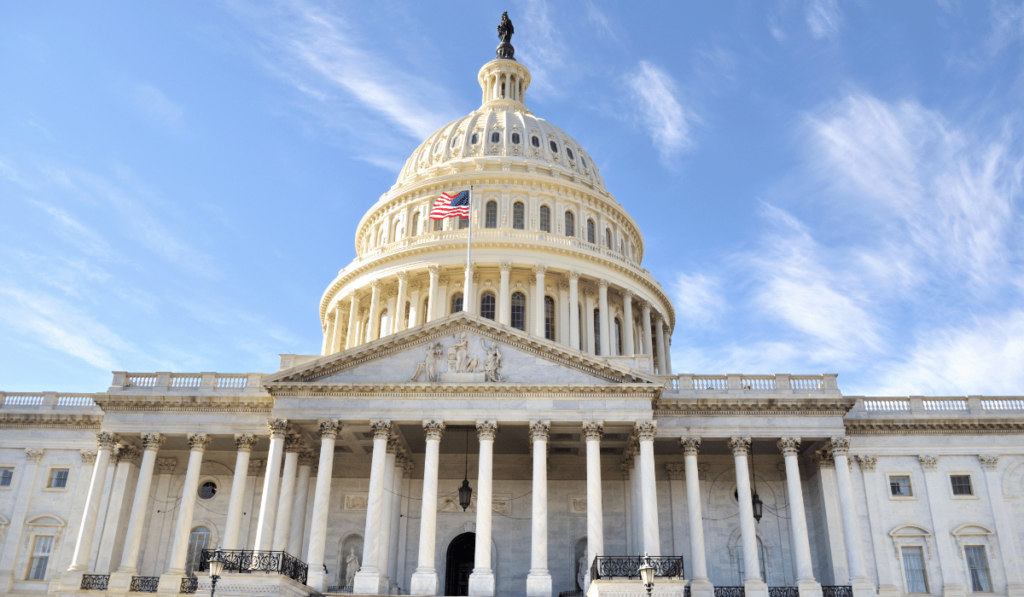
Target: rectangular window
x=961 y=484
x=899 y=485
x=6 y=476
x=913 y=566
x=58 y=478
x=41 y=551
x=977 y=563
x=438 y=225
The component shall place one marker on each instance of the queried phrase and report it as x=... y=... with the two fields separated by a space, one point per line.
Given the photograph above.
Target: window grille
x=58 y=478
x=491 y=215
x=961 y=485
x=198 y=540
x=487 y=306
x=6 y=477
x=618 y=336
x=607 y=238
x=438 y=225
x=414 y=229
x=913 y=567
x=590 y=231
x=570 y=224
x=900 y=486
x=519 y=311
x=463 y=223
x=457 y=302
x=208 y=490
x=597 y=332
x=545 y=218
x=518 y=215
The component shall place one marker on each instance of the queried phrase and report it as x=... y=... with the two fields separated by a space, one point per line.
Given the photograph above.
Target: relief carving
x=355 y=502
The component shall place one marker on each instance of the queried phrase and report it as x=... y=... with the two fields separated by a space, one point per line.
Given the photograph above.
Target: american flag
x=450 y=206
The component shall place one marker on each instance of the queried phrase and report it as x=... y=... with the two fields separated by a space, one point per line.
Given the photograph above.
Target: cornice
x=49 y=421
x=485 y=391
x=246 y=404
x=915 y=426
x=826 y=406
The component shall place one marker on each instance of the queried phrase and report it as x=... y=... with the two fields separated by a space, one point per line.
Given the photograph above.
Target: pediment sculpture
x=462 y=365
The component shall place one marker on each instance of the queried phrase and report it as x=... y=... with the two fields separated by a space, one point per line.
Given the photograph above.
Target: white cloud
x=663 y=115
x=698 y=298
x=598 y=18
x=824 y=18
x=157 y=106
x=542 y=47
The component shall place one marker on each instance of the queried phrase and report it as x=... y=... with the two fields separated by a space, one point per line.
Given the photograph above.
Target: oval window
x=515 y=138
x=554 y=146
x=495 y=137
x=208 y=490
x=474 y=139
x=455 y=141
x=568 y=152
x=583 y=162
x=535 y=141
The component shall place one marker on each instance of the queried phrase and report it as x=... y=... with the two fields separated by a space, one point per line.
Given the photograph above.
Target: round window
x=208 y=490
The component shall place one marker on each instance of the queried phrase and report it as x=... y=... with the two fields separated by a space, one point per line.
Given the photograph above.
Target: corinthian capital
x=789 y=446
x=540 y=431
x=867 y=462
x=244 y=442
x=381 y=429
x=88 y=456
x=676 y=471
x=505 y=266
x=152 y=441
x=593 y=431
x=690 y=445
x=328 y=429
x=434 y=270
x=540 y=270
x=433 y=430
x=278 y=428
x=646 y=430
x=34 y=455
x=486 y=430
x=106 y=440
x=198 y=442
x=739 y=445
x=840 y=446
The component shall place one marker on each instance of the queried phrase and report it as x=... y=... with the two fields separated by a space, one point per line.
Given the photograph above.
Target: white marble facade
x=584 y=443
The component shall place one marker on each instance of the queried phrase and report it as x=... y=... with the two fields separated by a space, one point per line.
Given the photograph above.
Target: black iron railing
x=730 y=592
x=836 y=591
x=576 y=593
x=144 y=584
x=346 y=589
x=95 y=582
x=248 y=561
x=189 y=584
x=686 y=591
x=783 y=592
x=629 y=566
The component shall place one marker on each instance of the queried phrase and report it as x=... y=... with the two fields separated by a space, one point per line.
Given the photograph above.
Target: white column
x=676 y=490
x=753 y=585
x=469 y=302
x=396 y=517
x=634 y=498
x=298 y=526
x=873 y=488
x=606 y=328
x=321 y=504
x=424 y=579
x=808 y=587
x=435 y=272
x=116 y=502
x=415 y=305
x=627 y=323
x=858 y=578
x=538 y=303
x=1008 y=548
x=538 y=581
x=937 y=488
x=25 y=490
x=351 y=338
x=328 y=334
x=563 y=313
x=481 y=581
x=271 y=483
x=659 y=336
x=105 y=442
x=375 y=330
x=384 y=552
x=151 y=443
x=700 y=586
x=244 y=443
x=592 y=432
x=504 y=296
x=627 y=498
x=367 y=581
x=588 y=321
x=398 y=317
x=170 y=582
x=645 y=431
x=645 y=321
x=574 y=310
x=286 y=500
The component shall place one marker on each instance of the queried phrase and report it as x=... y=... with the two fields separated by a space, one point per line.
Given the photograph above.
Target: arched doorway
x=460 y=564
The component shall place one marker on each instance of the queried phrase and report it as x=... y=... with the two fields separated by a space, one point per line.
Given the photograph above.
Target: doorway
x=459 y=566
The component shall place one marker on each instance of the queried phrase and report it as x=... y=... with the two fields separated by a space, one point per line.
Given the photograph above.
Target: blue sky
x=823 y=186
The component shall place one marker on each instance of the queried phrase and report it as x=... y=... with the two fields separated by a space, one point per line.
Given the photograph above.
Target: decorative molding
x=676 y=471
x=867 y=461
x=278 y=428
x=329 y=428
x=129 y=454
x=308 y=458
x=88 y=456
x=198 y=442
x=165 y=466
x=646 y=430
x=355 y=502
x=152 y=441
x=593 y=430
x=486 y=430
x=294 y=443
x=394 y=446
x=789 y=446
x=34 y=455
x=989 y=462
x=840 y=446
x=690 y=445
x=824 y=459
x=739 y=445
x=540 y=431
x=49 y=421
x=381 y=429
x=257 y=466
x=106 y=440
x=433 y=430
x=244 y=442
x=928 y=462
x=258 y=403
x=702 y=470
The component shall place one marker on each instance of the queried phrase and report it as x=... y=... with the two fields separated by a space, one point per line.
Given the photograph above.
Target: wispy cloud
x=824 y=18
x=600 y=20
x=661 y=109
x=157 y=106
x=698 y=298
x=543 y=46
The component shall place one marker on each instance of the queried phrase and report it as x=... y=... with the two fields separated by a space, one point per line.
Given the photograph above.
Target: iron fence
x=576 y=593
x=247 y=561
x=730 y=592
x=629 y=566
x=836 y=591
x=189 y=584
x=340 y=589
x=144 y=584
x=95 y=582
x=783 y=592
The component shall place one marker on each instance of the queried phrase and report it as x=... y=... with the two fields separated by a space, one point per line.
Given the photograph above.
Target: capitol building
x=507 y=424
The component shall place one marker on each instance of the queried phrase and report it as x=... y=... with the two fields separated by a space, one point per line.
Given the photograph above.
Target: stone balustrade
x=160 y=382
x=930 y=406
x=47 y=401
x=738 y=383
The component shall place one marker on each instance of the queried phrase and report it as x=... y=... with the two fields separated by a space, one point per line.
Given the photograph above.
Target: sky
x=824 y=186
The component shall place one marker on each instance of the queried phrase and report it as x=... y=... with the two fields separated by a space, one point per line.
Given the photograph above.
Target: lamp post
x=647 y=574
x=216 y=567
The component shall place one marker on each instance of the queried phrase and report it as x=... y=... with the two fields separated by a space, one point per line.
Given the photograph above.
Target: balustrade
x=189 y=585
x=836 y=591
x=629 y=566
x=783 y=592
x=730 y=592
x=95 y=582
x=945 y=404
x=886 y=405
x=144 y=584
x=248 y=561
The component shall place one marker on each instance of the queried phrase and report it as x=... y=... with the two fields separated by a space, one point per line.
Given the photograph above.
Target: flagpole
x=469 y=245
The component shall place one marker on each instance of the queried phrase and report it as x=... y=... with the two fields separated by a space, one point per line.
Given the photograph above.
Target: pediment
x=458 y=349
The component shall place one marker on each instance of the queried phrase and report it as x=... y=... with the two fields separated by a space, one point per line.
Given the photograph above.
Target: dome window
x=590 y=231
x=554 y=146
x=455 y=141
x=570 y=224
x=583 y=162
x=491 y=214
x=474 y=139
x=519 y=311
x=518 y=215
x=487 y=303
x=495 y=137
x=535 y=141
x=515 y=138
x=545 y=218
x=568 y=152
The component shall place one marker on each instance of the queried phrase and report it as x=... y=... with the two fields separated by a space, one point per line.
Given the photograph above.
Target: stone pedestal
x=481 y=584
x=424 y=582
x=247 y=585
x=758 y=588
x=894 y=591
x=538 y=584
x=633 y=587
x=702 y=587
x=809 y=588
x=119 y=582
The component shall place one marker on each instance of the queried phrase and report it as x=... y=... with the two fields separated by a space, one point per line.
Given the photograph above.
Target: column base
x=170 y=583
x=863 y=587
x=948 y=590
x=702 y=587
x=1015 y=590
x=481 y=584
x=424 y=582
x=6 y=582
x=366 y=582
x=71 y=580
x=758 y=588
x=315 y=578
x=384 y=587
x=538 y=584
x=120 y=582
x=892 y=591
x=809 y=588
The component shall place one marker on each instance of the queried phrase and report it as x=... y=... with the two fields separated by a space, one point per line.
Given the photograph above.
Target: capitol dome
x=553 y=253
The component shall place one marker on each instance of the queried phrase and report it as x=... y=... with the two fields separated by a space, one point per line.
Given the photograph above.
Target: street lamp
x=647 y=574
x=216 y=567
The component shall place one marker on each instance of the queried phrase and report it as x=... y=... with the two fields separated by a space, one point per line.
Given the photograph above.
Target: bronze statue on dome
x=505 y=31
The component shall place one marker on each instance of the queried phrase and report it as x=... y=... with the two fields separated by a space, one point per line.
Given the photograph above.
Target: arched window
x=760 y=558
x=545 y=218
x=495 y=137
x=385 y=324
x=455 y=140
x=198 y=540
x=397 y=232
x=590 y=231
x=518 y=215
x=554 y=146
x=457 y=302
x=415 y=228
x=438 y=225
x=474 y=139
x=618 y=337
x=549 y=318
x=463 y=223
x=568 y=152
x=608 y=238
x=570 y=224
x=491 y=215
x=519 y=311
x=487 y=306
x=597 y=332
x=515 y=138
x=583 y=162
x=622 y=247
x=535 y=141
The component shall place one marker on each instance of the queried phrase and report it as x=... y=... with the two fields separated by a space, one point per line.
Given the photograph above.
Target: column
x=424 y=579
x=504 y=296
x=659 y=336
x=110 y=543
x=353 y=319
x=415 y=305
x=574 y=310
x=403 y=524
x=384 y=552
x=286 y=499
x=563 y=313
x=676 y=490
x=367 y=581
x=375 y=287
x=634 y=498
x=271 y=482
x=606 y=329
x=627 y=484
x=808 y=587
x=435 y=272
x=469 y=302
x=592 y=432
x=298 y=525
x=645 y=321
x=873 y=488
x=328 y=334
x=244 y=443
x=398 y=317
x=396 y=517
x=753 y=585
x=339 y=330
x=862 y=587
x=170 y=582
x=105 y=442
x=26 y=486
x=700 y=586
x=627 y=323
x=645 y=431
x=120 y=580
x=588 y=322
x=481 y=581
x=538 y=303
x=936 y=487
x=321 y=503
x=1008 y=548
x=538 y=581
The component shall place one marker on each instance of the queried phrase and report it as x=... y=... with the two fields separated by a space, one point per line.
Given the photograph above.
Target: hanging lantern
x=465 y=494
x=758 y=505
